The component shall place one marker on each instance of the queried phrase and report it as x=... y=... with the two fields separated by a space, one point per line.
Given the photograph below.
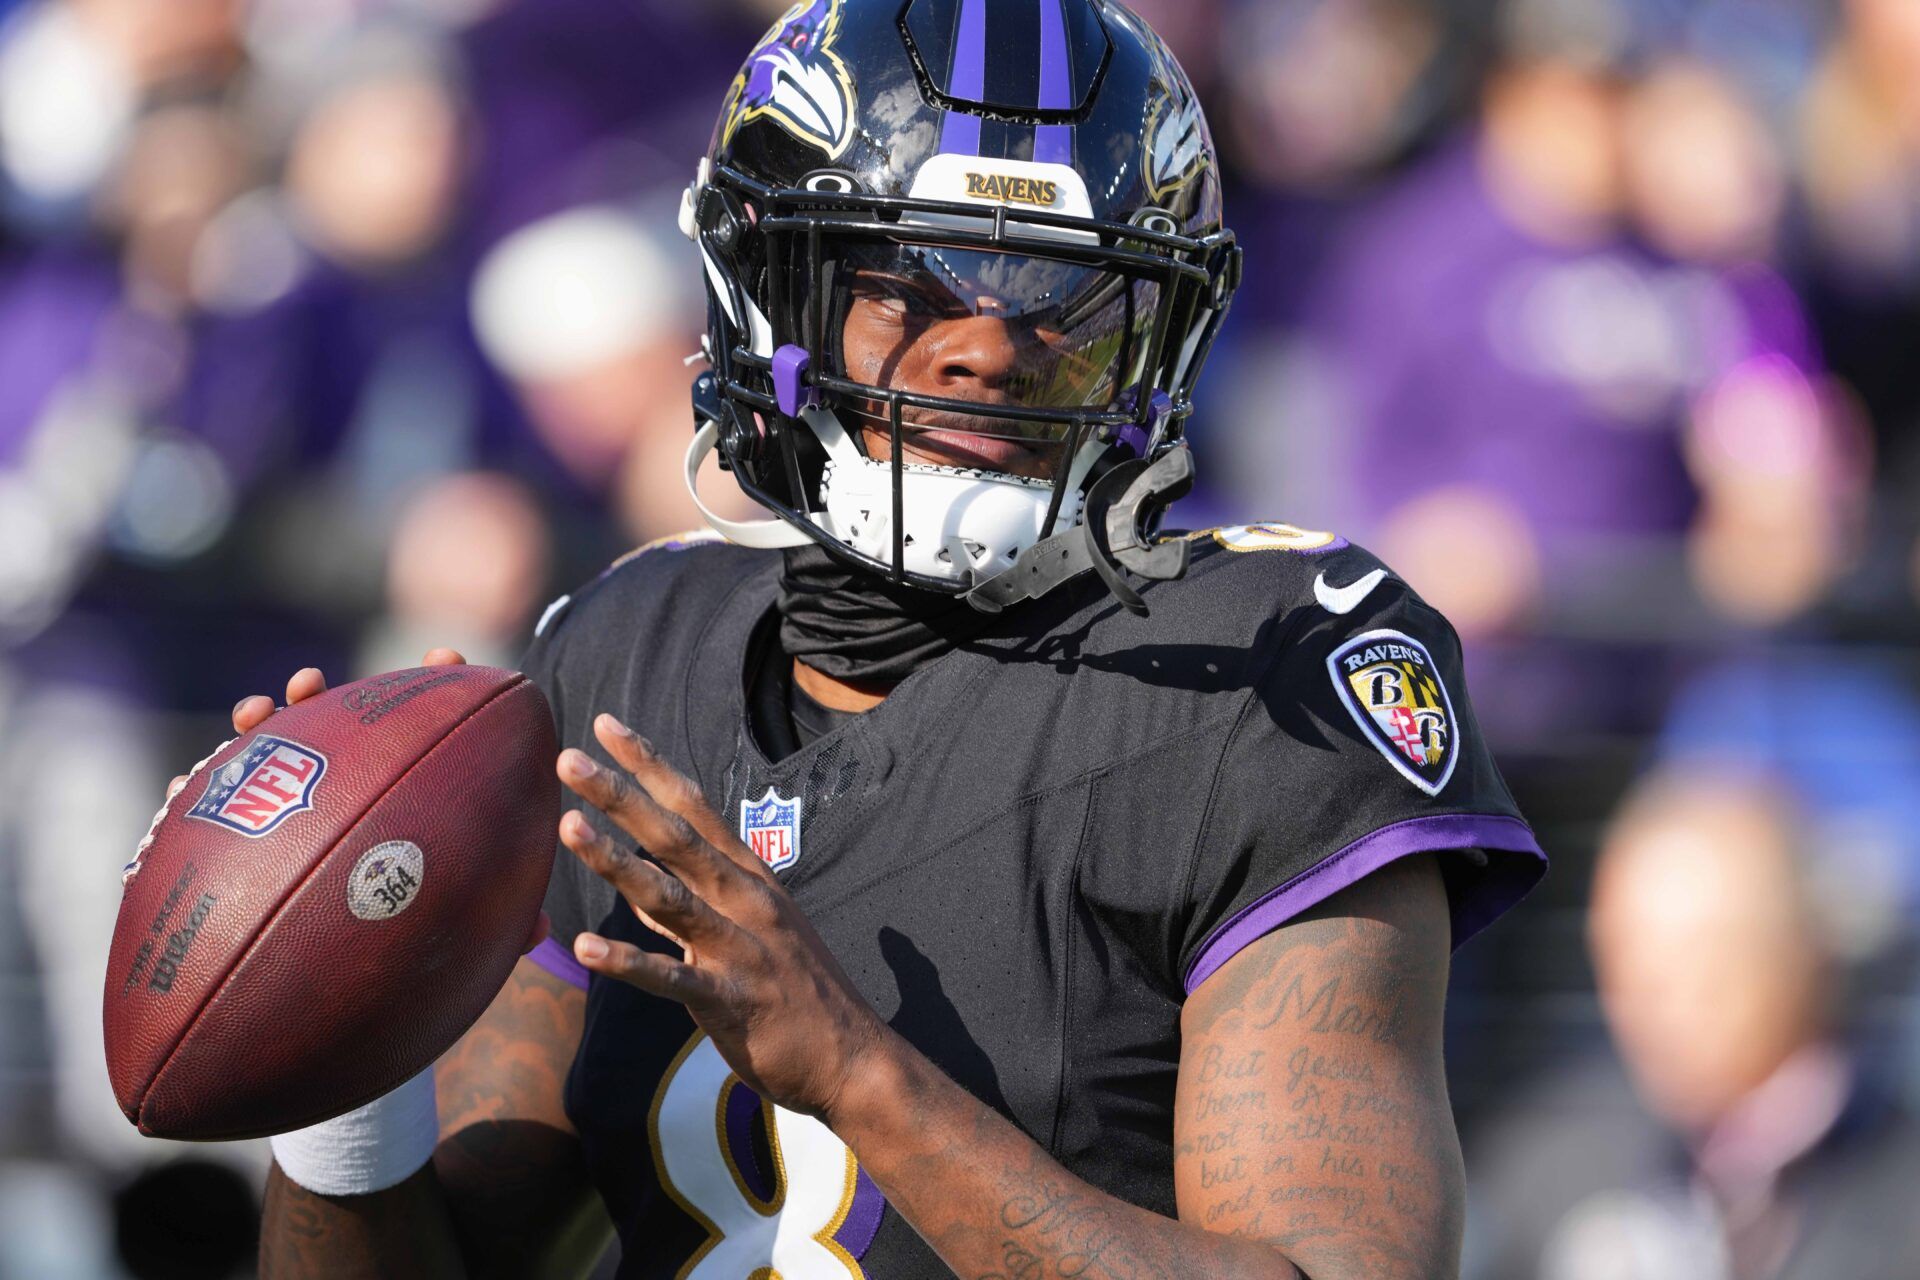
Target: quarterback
x=965 y=875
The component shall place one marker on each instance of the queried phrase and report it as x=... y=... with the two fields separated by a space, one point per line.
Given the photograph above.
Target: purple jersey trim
x=1475 y=905
x=559 y=962
x=960 y=133
x=1053 y=143
x=742 y=1105
x=855 y=1234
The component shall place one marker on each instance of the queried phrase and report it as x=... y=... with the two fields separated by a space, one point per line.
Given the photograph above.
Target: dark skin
x=1312 y=1131
x=898 y=338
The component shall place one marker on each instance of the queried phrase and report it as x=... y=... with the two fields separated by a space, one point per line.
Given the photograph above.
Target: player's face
x=991 y=329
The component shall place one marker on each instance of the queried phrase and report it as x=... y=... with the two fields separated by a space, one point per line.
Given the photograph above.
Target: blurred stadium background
x=330 y=329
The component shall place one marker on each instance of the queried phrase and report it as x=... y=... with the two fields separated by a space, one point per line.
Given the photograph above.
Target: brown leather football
x=330 y=902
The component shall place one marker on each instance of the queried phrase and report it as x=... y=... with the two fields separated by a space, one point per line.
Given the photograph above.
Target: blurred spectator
x=1831 y=725
x=1858 y=146
x=375 y=161
x=1324 y=92
x=468 y=562
x=1550 y=375
x=594 y=317
x=1765 y=1145
x=65 y=104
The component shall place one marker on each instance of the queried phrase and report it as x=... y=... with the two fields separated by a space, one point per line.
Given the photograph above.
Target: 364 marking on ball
x=386 y=880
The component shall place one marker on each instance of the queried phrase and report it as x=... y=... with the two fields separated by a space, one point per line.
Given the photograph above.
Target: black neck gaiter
x=855 y=625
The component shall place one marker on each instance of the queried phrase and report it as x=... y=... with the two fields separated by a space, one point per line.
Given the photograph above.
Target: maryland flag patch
x=1392 y=686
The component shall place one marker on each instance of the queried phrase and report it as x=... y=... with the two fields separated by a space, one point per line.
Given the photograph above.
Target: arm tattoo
x=1312 y=1130
x=400 y=1231
x=995 y=1206
x=1312 y=1106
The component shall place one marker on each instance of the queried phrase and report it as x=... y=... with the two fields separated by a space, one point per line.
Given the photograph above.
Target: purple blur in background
x=334 y=329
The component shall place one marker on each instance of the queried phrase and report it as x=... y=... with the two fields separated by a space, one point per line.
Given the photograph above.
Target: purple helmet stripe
x=960 y=133
x=1053 y=143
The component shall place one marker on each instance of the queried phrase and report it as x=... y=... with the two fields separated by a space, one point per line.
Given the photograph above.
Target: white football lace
x=132 y=869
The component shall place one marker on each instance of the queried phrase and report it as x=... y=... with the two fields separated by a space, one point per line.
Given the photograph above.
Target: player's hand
x=755 y=975
x=310 y=682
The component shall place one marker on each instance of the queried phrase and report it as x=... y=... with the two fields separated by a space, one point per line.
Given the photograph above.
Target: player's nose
x=976 y=353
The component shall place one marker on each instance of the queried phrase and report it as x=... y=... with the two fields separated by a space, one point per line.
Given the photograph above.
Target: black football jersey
x=1025 y=857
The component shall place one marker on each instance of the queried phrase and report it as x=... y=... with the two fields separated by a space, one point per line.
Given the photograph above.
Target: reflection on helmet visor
x=994 y=328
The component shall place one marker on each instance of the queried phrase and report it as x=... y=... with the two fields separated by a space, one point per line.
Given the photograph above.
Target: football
x=330 y=902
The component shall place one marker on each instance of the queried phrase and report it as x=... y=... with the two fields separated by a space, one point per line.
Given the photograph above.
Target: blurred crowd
x=334 y=329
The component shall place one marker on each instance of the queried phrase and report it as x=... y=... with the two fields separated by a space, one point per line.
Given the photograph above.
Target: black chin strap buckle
x=1123 y=508
x=1114 y=538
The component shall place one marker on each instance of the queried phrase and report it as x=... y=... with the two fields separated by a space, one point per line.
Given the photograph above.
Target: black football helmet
x=1044 y=162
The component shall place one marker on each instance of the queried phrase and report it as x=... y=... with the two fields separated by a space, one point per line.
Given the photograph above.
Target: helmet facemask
x=1065 y=346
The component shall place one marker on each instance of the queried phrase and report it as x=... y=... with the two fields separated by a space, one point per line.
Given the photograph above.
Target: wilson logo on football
x=256 y=791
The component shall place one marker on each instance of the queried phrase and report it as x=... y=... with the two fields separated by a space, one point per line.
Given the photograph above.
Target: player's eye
x=906 y=296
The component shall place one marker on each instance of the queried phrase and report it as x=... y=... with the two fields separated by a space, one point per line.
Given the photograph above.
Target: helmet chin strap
x=767 y=535
x=1122 y=506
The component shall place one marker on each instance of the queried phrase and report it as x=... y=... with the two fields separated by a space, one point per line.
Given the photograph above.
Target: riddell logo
x=256 y=791
x=997 y=186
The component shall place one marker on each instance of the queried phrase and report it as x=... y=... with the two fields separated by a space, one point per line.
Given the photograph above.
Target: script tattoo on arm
x=515 y=1178
x=996 y=1206
x=1312 y=1109
x=1314 y=1136
x=507 y=1193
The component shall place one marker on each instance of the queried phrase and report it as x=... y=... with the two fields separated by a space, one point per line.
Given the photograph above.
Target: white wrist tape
x=378 y=1146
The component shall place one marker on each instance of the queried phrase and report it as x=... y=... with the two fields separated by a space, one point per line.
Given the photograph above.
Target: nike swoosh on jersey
x=1346 y=599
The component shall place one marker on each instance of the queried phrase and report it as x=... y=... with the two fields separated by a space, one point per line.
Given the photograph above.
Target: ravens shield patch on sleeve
x=1393 y=688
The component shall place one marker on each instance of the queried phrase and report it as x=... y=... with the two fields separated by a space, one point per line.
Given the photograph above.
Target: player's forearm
x=506 y=1199
x=996 y=1206
x=521 y=1201
x=404 y=1230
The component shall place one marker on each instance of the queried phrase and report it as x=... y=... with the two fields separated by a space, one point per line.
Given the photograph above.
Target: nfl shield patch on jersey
x=770 y=826
x=258 y=790
x=1392 y=686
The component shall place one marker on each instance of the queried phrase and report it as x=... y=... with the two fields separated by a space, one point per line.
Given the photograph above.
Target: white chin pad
x=962 y=526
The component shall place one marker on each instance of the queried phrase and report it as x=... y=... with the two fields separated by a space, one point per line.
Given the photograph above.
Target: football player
x=965 y=878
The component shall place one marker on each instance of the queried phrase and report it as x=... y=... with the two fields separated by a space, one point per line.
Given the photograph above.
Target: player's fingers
x=306 y=683
x=672 y=790
x=647 y=970
x=659 y=897
x=249 y=712
x=665 y=834
x=443 y=658
x=173 y=788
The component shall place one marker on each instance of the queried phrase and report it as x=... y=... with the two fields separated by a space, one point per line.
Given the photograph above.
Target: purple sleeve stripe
x=559 y=962
x=1479 y=904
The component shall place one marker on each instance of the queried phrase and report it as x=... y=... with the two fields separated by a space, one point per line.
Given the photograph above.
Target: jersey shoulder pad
x=671 y=542
x=648 y=569
x=1283 y=566
x=1269 y=535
